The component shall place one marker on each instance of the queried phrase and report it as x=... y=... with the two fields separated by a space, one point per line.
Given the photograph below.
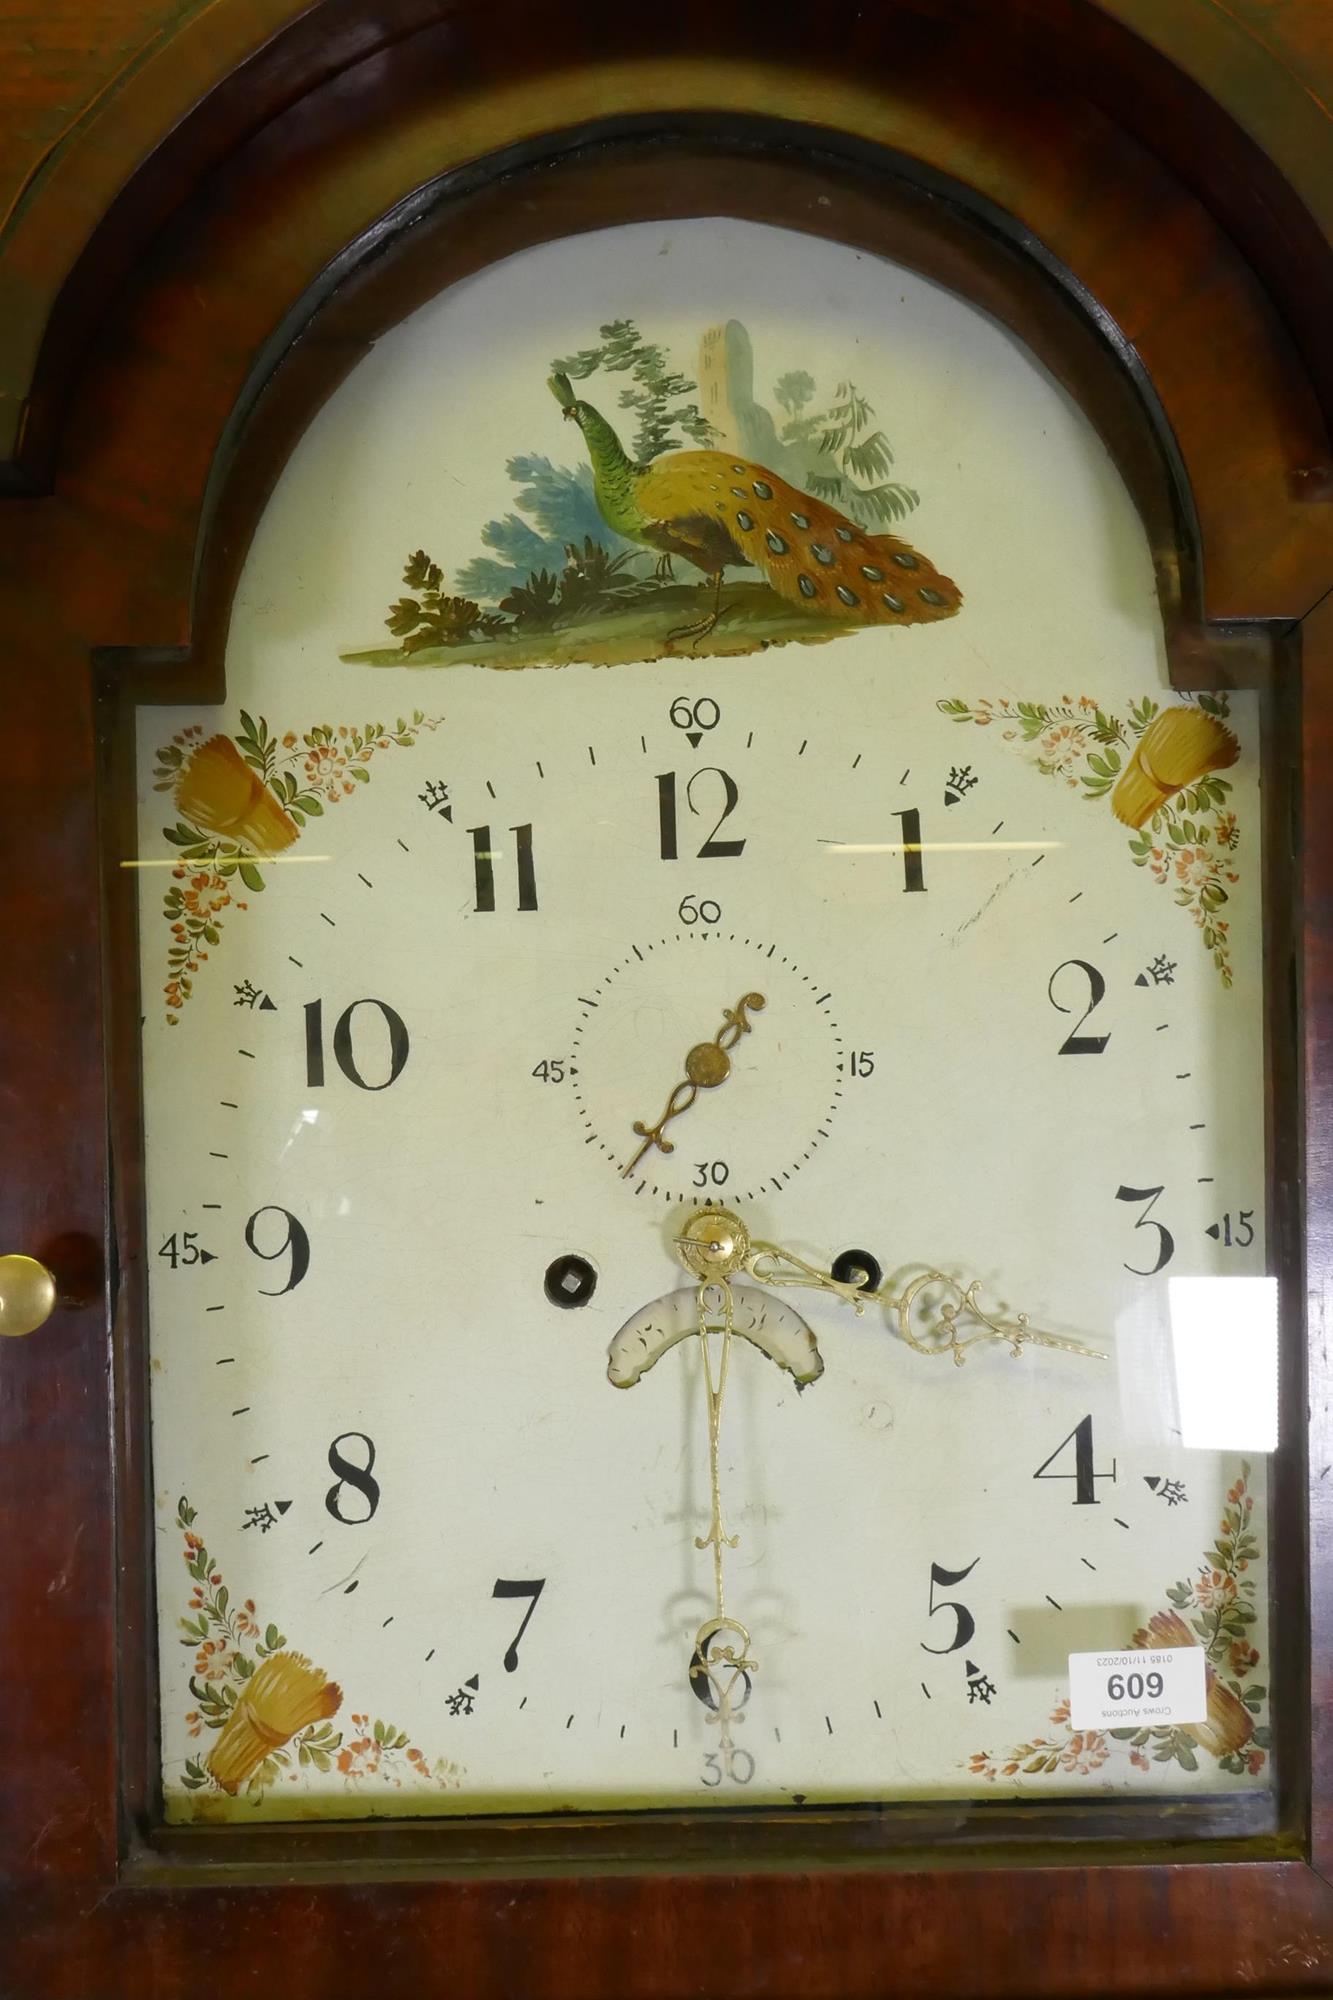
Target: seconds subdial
x=680 y=1127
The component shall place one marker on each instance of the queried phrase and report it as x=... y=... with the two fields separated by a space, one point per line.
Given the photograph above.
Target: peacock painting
x=718 y=512
x=719 y=528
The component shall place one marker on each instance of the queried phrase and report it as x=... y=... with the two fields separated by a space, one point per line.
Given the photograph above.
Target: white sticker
x=1137 y=1688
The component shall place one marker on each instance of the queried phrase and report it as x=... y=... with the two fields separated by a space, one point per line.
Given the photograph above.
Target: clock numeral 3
x=1084 y=1474
x=1166 y=1242
x=343 y=1052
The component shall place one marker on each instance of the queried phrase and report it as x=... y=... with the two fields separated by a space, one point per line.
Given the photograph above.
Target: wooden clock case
x=1142 y=193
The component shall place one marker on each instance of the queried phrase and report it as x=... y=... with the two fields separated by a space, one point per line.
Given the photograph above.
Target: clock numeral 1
x=914 y=875
x=483 y=867
x=1084 y=1474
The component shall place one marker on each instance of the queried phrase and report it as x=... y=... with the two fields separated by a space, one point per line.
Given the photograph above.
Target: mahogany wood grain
x=211 y=358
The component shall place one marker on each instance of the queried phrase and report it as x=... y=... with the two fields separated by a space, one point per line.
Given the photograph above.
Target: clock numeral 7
x=507 y=1587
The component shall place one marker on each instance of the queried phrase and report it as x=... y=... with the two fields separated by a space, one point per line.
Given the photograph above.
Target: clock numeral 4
x=1084 y=1475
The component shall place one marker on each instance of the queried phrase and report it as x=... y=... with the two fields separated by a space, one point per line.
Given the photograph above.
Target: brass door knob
x=27 y=1294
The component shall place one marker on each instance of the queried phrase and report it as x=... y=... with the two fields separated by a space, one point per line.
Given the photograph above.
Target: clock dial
x=927 y=957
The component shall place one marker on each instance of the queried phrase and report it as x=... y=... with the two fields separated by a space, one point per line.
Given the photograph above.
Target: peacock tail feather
x=810 y=553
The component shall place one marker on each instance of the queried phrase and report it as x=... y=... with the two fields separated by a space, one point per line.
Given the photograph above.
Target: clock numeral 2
x=344 y=1053
x=1075 y=1044
x=483 y=867
x=1084 y=1474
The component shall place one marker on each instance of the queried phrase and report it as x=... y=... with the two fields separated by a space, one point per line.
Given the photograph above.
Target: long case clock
x=664 y=1007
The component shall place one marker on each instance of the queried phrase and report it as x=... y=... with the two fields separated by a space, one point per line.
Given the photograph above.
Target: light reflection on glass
x=1224 y=1342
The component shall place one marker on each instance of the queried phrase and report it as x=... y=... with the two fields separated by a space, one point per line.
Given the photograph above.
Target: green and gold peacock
x=718 y=512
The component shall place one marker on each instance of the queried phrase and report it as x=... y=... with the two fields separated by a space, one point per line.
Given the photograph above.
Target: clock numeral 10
x=344 y=1053
x=1084 y=1475
x=483 y=867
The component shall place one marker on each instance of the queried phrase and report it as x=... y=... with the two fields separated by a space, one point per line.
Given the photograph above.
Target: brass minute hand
x=714 y=1237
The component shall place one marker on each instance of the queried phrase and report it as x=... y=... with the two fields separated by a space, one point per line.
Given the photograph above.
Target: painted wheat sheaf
x=283 y=1695
x=1178 y=747
x=218 y=790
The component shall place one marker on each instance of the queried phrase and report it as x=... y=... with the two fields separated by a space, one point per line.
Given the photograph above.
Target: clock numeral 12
x=713 y=849
x=483 y=867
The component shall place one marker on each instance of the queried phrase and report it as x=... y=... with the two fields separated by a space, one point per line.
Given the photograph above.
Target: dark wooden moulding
x=121 y=586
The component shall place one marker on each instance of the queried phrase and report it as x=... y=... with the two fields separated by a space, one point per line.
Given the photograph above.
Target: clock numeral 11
x=483 y=867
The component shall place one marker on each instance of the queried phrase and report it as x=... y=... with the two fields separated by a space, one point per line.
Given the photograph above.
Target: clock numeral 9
x=965 y=1624
x=295 y=1243
x=344 y=1054
x=356 y=1476
x=1084 y=1474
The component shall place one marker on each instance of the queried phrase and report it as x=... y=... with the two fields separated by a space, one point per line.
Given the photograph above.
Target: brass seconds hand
x=707 y=1065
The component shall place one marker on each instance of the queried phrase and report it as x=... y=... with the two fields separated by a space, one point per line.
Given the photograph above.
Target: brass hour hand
x=706 y=1066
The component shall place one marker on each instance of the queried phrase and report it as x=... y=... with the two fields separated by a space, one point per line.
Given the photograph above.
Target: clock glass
x=703 y=1070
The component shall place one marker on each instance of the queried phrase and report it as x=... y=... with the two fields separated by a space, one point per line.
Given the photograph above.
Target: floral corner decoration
x=1159 y=766
x=242 y=800
x=271 y=1710
x=1214 y=1609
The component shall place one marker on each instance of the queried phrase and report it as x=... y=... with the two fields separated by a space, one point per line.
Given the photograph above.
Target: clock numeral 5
x=965 y=1624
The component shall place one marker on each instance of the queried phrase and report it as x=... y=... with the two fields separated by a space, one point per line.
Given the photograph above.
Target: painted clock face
x=703 y=1081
